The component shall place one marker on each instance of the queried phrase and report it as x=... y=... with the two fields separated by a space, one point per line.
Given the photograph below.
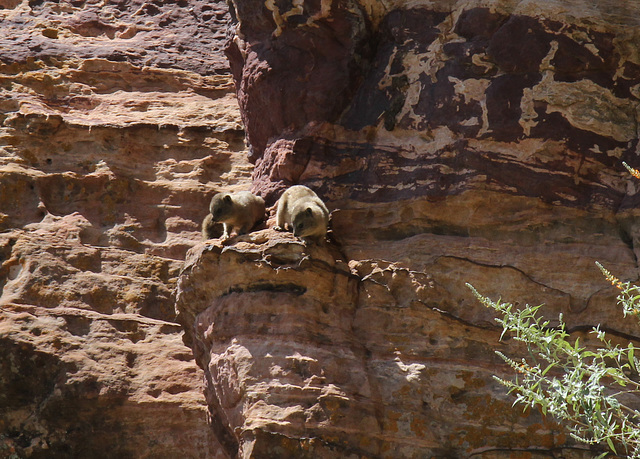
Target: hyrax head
x=221 y=206
x=309 y=221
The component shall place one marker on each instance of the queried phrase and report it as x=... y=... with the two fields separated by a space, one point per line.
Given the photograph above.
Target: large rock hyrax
x=240 y=211
x=303 y=212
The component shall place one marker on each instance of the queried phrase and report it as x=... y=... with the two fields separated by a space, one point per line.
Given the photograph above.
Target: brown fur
x=303 y=212
x=240 y=211
x=209 y=230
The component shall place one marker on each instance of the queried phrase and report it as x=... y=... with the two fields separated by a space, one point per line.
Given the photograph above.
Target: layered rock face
x=476 y=141
x=118 y=121
x=454 y=142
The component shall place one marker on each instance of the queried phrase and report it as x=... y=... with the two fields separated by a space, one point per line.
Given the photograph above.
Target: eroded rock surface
x=478 y=136
x=458 y=142
x=268 y=306
x=306 y=355
x=118 y=121
x=454 y=142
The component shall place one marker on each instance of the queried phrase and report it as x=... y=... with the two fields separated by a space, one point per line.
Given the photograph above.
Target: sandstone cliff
x=469 y=141
x=455 y=142
x=118 y=120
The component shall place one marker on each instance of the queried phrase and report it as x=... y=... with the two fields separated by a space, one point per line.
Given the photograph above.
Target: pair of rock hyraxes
x=299 y=208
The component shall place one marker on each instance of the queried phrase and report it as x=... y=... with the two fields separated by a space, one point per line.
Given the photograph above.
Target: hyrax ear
x=309 y=211
x=227 y=198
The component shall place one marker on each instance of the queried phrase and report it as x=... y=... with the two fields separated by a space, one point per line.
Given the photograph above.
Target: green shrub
x=586 y=389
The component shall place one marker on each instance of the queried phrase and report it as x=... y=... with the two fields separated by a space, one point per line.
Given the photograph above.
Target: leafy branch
x=586 y=389
x=629 y=297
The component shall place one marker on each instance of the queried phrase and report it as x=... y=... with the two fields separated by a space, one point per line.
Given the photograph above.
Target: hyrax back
x=302 y=211
x=240 y=211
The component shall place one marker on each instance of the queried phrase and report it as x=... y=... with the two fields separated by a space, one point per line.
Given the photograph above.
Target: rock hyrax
x=302 y=211
x=240 y=210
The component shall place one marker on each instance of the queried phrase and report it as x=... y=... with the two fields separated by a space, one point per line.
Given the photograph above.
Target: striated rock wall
x=469 y=141
x=118 y=121
x=280 y=309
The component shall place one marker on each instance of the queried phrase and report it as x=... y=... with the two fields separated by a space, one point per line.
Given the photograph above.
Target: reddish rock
x=306 y=356
x=159 y=34
x=265 y=321
x=280 y=70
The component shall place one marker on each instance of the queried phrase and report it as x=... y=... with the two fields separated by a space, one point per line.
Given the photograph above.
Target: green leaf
x=631 y=360
x=544 y=372
x=610 y=443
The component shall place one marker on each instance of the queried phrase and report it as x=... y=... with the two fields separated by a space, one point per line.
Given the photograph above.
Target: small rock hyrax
x=302 y=211
x=240 y=211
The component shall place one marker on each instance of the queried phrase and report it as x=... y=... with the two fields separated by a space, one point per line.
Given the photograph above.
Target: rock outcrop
x=281 y=310
x=455 y=142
